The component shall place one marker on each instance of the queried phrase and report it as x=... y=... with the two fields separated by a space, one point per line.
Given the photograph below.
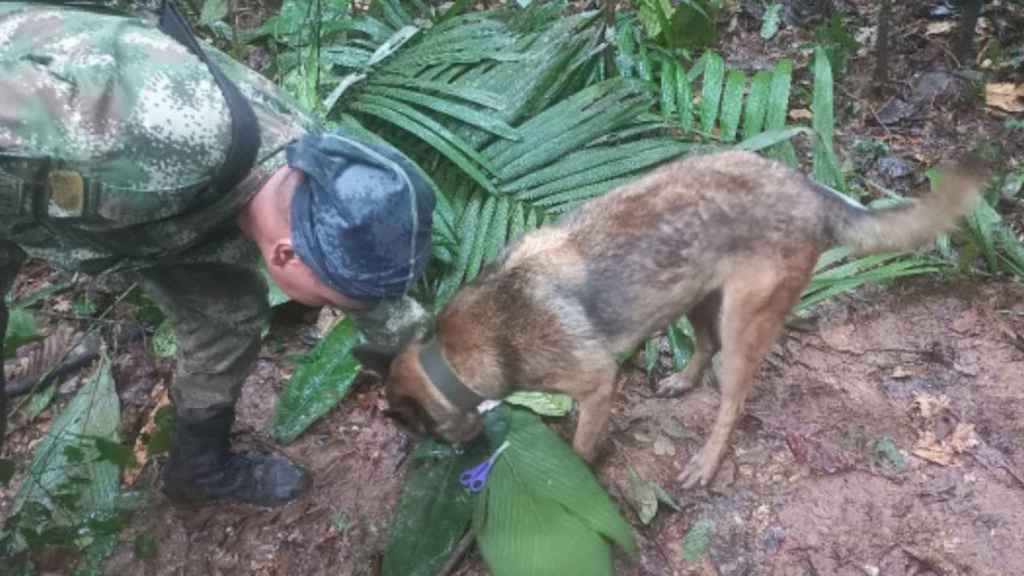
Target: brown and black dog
x=729 y=239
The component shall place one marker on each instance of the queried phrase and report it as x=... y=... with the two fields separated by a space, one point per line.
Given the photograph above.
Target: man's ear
x=282 y=254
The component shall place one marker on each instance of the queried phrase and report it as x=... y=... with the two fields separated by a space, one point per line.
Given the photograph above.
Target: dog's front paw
x=673 y=385
x=699 y=471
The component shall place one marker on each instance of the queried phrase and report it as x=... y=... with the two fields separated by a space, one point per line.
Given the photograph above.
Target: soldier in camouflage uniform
x=109 y=133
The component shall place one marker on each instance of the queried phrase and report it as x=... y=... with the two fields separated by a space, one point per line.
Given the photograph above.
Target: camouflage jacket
x=109 y=131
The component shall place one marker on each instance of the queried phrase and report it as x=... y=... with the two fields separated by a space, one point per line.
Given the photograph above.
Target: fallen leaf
x=963 y=438
x=643 y=496
x=800 y=114
x=930 y=449
x=697 y=539
x=928 y=405
x=942 y=27
x=1005 y=96
x=130 y=475
x=663 y=447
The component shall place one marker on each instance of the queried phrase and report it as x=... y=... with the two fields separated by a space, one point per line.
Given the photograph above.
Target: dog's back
x=625 y=265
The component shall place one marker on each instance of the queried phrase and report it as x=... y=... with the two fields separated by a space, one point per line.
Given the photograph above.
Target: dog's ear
x=373 y=360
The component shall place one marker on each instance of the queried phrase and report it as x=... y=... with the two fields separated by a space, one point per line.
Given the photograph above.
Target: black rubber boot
x=203 y=469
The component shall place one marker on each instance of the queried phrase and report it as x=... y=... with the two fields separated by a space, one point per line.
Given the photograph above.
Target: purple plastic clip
x=476 y=477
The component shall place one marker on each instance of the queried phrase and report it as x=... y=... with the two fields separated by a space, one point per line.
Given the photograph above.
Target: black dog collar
x=440 y=373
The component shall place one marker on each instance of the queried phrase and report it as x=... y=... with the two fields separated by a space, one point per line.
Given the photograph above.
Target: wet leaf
x=7 y=469
x=165 y=341
x=643 y=497
x=1005 y=96
x=771 y=21
x=320 y=381
x=697 y=539
x=663 y=446
x=886 y=449
x=213 y=10
x=433 y=511
x=21 y=329
x=665 y=498
x=543 y=403
x=115 y=452
x=145 y=547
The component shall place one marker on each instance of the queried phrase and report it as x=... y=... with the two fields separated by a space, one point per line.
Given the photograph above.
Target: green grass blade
x=732 y=104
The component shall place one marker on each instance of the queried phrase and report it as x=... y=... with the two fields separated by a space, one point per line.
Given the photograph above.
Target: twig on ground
x=457 y=554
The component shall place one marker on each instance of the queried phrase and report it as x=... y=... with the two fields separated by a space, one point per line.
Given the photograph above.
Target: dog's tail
x=913 y=224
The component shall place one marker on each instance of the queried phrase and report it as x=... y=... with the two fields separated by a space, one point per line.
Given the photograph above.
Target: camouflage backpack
x=123 y=138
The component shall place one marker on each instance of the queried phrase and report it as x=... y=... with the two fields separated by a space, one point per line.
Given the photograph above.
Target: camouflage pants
x=218 y=311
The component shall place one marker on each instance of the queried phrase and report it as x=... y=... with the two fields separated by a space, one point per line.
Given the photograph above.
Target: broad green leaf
x=732 y=104
x=94 y=412
x=213 y=10
x=714 y=72
x=757 y=104
x=433 y=511
x=542 y=511
x=543 y=403
x=771 y=21
x=21 y=329
x=694 y=23
x=697 y=540
x=319 y=382
x=114 y=452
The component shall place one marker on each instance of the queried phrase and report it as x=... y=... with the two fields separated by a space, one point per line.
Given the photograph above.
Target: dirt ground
x=804 y=491
x=885 y=436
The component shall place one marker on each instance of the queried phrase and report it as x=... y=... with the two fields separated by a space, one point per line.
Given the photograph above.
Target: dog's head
x=417 y=405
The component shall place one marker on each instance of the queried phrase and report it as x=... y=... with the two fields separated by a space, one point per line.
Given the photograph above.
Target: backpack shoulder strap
x=245 y=133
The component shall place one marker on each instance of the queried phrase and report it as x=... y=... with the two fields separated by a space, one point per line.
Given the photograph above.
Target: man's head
x=344 y=223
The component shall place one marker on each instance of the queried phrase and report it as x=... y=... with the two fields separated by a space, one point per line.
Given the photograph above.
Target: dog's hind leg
x=704 y=317
x=756 y=297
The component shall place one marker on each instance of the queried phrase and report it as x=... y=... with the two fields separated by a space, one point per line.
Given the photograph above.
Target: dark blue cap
x=361 y=218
